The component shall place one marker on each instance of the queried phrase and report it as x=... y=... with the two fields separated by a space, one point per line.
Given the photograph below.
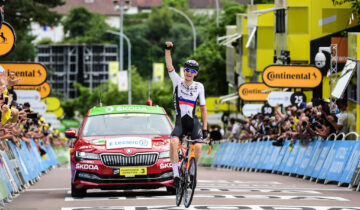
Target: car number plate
x=133 y=171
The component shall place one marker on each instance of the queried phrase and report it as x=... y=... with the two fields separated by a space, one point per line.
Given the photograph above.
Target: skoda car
x=121 y=147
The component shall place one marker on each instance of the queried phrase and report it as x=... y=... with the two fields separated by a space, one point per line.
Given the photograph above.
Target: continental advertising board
x=292 y=76
x=30 y=73
x=254 y=91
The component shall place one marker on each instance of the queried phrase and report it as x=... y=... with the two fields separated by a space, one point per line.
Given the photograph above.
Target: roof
x=118 y=109
x=105 y=7
x=211 y=3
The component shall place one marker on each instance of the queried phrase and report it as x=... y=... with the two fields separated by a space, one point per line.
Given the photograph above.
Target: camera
x=320 y=60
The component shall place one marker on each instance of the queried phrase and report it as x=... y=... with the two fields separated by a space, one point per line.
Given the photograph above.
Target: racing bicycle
x=187 y=161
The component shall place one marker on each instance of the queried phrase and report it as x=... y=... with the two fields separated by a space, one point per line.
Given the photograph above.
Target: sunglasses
x=190 y=70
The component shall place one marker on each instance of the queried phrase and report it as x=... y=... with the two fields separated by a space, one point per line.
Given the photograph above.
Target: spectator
x=235 y=130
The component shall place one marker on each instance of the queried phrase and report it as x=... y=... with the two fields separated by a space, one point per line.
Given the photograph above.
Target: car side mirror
x=71 y=134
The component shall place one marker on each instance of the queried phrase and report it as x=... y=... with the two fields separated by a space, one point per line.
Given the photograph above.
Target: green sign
x=119 y=109
x=70 y=123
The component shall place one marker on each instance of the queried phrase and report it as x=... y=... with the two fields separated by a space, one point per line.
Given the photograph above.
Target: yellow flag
x=113 y=71
x=158 y=72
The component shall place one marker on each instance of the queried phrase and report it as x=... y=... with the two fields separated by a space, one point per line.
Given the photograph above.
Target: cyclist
x=186 y=93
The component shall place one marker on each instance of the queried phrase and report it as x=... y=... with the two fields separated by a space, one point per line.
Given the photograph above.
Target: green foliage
x=176 y=3
x=263 y=1
x=231 y=9
x=20 y=14
x=161 y=94
x=356 y=9
x=45 y=41
x=212 y=73
x=83 y=26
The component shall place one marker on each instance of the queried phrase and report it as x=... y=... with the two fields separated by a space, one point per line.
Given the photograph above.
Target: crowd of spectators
x=19 y=123
x=305 y=123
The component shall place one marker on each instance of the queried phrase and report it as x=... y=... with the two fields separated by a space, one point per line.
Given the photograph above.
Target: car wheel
x=75 y=192
x=171 y=190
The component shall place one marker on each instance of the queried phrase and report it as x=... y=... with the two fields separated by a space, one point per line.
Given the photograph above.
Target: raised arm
x=168 y=59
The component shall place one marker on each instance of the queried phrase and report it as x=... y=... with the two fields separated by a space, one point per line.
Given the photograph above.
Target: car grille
x=140 y=159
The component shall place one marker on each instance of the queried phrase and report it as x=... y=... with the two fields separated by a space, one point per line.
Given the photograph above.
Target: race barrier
x=321 y=160
x=22 y=166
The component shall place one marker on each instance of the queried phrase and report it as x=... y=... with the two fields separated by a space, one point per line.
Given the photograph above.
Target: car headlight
x=87 y=155
x=165 y=154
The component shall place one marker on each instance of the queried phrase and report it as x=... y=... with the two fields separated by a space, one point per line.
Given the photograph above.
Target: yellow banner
x=7 y=39
x=158 y=72
x=52 y=103
x=292 y=76
x=44 y=89
x=253 y=91
x=30 y=73
x=113 y=71
x=59 y=112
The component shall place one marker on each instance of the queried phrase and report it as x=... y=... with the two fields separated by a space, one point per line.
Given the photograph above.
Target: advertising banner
x=292 y=76
x=30 y=96
x=254 y=91
x=351 y=164
x=251 y=109
x=123 y=81
x=7 y=39
x=113 y=71
x=30 y=73
x=43 y=89
x=341 y=157
x=278 y=97
x=52 y=103
x=158 y=72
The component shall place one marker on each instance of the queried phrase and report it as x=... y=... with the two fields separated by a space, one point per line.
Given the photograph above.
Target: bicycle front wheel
x=180 y=189
x=190 y=183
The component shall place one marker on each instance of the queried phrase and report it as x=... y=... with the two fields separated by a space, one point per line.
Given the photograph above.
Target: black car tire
x=77 y=193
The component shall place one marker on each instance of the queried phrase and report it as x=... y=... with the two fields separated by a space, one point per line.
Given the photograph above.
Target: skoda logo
x=128 y=151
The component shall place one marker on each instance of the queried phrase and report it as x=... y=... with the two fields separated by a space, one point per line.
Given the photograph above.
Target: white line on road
x=217 y=207
x=281 y=197
x=203 y=189
x=239 y=182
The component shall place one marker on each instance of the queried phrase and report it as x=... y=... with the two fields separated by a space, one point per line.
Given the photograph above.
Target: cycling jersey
x=185 y=97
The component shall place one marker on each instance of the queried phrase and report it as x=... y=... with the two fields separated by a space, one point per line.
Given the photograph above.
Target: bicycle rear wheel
x=190 y=183
x=180 y=189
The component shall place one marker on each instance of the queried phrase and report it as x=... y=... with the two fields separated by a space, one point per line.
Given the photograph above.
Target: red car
x=121 y=147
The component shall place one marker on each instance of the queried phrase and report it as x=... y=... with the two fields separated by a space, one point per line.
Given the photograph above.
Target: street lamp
x=121 y=6
x=129 y=61
x=191 y=23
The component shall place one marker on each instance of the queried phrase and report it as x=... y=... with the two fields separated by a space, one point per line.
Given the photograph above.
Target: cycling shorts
x=179 y=130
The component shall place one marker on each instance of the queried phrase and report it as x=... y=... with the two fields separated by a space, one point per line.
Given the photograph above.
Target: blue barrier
x=343 y=150
x=308 y=154
x=352 y=162
x=319 y=167
x=320 y=159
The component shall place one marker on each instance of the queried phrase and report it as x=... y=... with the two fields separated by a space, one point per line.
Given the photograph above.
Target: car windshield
x=128 y=123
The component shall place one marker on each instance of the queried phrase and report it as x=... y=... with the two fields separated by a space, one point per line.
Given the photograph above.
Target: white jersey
x=185 y=97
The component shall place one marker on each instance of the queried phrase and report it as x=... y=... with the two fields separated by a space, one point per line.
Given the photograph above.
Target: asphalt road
x=216 y=189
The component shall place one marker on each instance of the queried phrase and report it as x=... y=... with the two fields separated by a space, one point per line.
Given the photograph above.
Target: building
x=86 y=64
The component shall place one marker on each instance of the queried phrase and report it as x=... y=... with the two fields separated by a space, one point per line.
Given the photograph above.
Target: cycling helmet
x=192 y=64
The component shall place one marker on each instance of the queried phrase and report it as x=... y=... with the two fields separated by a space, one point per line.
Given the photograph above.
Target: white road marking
x=281 y=197
x=203 y=189
x=239 y=182
x=217 y=207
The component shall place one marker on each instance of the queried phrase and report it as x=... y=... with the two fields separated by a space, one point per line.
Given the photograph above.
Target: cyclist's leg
x=174 y=143
x=197 y=135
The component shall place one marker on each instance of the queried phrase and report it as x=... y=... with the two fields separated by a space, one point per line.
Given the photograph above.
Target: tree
x=20 y=14
x=83 y=26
